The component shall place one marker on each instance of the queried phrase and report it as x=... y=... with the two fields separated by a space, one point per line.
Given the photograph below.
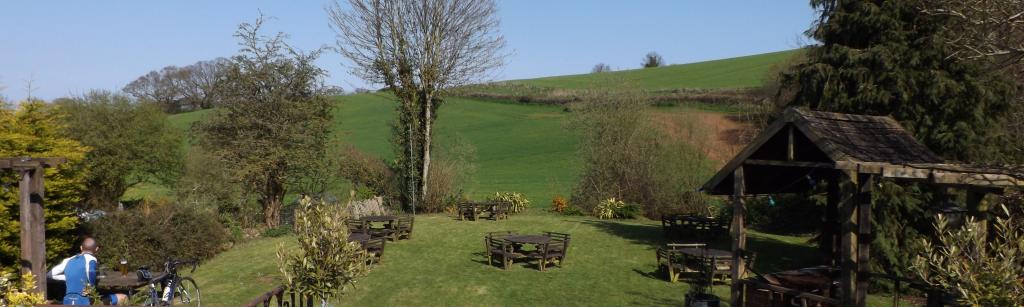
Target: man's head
x=89 y=245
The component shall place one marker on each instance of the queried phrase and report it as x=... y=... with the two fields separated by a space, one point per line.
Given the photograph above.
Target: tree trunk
x=272 y=199
x=411 y=169
x=426 y=146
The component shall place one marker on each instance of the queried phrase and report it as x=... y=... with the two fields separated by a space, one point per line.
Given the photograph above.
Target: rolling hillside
x=525 y=148
x=741 y=72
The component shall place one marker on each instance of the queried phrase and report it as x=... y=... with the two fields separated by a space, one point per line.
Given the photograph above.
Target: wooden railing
x=935 y=297
x=281 y=298
x=805 y=298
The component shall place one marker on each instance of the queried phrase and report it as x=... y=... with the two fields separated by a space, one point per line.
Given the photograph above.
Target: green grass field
x=520 y=148
x=741 y=72
x=610 y=263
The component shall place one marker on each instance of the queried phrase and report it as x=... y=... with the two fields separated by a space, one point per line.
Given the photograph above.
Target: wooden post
x=848 y=246
x=830 y=228
x=739 y=237
x=864 y=238
x=33 y=228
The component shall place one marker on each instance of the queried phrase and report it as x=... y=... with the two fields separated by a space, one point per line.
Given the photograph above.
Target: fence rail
x=281 y=298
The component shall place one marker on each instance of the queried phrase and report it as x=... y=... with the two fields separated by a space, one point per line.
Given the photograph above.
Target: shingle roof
x=862 y=138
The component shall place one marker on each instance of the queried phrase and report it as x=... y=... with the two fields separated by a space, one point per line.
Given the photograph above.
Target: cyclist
x=79 y=271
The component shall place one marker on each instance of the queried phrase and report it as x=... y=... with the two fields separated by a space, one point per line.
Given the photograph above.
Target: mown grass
x=610 y=263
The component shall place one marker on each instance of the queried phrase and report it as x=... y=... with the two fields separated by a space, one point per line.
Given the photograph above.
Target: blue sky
x=69 y=47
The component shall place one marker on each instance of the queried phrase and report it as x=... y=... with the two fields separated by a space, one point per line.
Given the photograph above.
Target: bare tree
x=418 y=49
x=601 y=67
x=984 y=28
x=181 y=88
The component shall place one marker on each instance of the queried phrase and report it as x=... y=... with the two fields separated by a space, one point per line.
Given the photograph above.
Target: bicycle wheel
x=186 y=293
x=144 y=298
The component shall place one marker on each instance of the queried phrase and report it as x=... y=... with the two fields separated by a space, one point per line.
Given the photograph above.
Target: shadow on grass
x=635 y=233
x=774 y=255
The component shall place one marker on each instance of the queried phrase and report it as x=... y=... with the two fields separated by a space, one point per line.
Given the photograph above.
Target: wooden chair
x=468 y=210
x=499 y=249
x=357 y=226
x=404 y=227
x=546 y=254
x=375 y=248
x=559 y=243
x=672 y=261
x=499 y=211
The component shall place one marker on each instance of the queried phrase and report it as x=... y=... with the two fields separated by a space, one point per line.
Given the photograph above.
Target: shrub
x=606 y=209
x=633 y=156
x=327 y=263
x=627 y=211
x=601 y=67
x=275 y=232
x=517 y=202
x=152 y=232
x=368 y=172
x=19 y=292
x=982 y=268
x=559 y=204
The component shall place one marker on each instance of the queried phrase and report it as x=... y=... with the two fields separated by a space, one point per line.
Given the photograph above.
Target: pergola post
x=848 y=245
x=867 y=184
x=739 y=237
x=33 y=229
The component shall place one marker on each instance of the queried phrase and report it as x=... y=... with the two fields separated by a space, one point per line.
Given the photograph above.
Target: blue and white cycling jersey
x=76 y=272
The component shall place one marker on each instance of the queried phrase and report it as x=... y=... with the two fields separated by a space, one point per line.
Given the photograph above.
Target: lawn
x=610 y=263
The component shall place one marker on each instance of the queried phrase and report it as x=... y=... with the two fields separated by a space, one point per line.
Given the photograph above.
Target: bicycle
x=185 y=290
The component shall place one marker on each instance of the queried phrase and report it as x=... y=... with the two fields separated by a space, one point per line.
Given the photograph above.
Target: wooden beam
x=848 y=244
x=739 y=237
x=827 y=165
x=737 y=161
x=864 y=237
x=791 y=150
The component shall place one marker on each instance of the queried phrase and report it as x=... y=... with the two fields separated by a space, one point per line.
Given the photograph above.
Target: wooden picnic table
x=114 y=280
x=359 y=237
x=705 y=252
x=528 y=239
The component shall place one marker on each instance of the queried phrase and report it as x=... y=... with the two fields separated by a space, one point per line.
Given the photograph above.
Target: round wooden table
x=379 y=218
x=528 y=239
x=705 y=252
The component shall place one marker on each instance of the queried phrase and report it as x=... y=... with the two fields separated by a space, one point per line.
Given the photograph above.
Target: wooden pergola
x=33 y=223
x=851 y=153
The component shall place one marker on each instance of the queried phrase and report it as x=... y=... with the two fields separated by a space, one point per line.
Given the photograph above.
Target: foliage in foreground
x=326 y=263
x=627 y=157
x=983 y=266
x=273 y=126
x=19 y=292
x=152 y=232
x=131 y=143
x=36 y=129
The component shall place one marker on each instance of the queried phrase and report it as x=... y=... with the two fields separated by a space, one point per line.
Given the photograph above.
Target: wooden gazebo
x=30 y=199
x=850 y=152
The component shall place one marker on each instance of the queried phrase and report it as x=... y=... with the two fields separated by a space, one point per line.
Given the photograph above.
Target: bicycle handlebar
x=175 y=263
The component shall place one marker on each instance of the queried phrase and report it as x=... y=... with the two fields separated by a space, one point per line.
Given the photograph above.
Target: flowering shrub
x=19 y=292
x=606 y=209
x=559 y=204
x=517 y=201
